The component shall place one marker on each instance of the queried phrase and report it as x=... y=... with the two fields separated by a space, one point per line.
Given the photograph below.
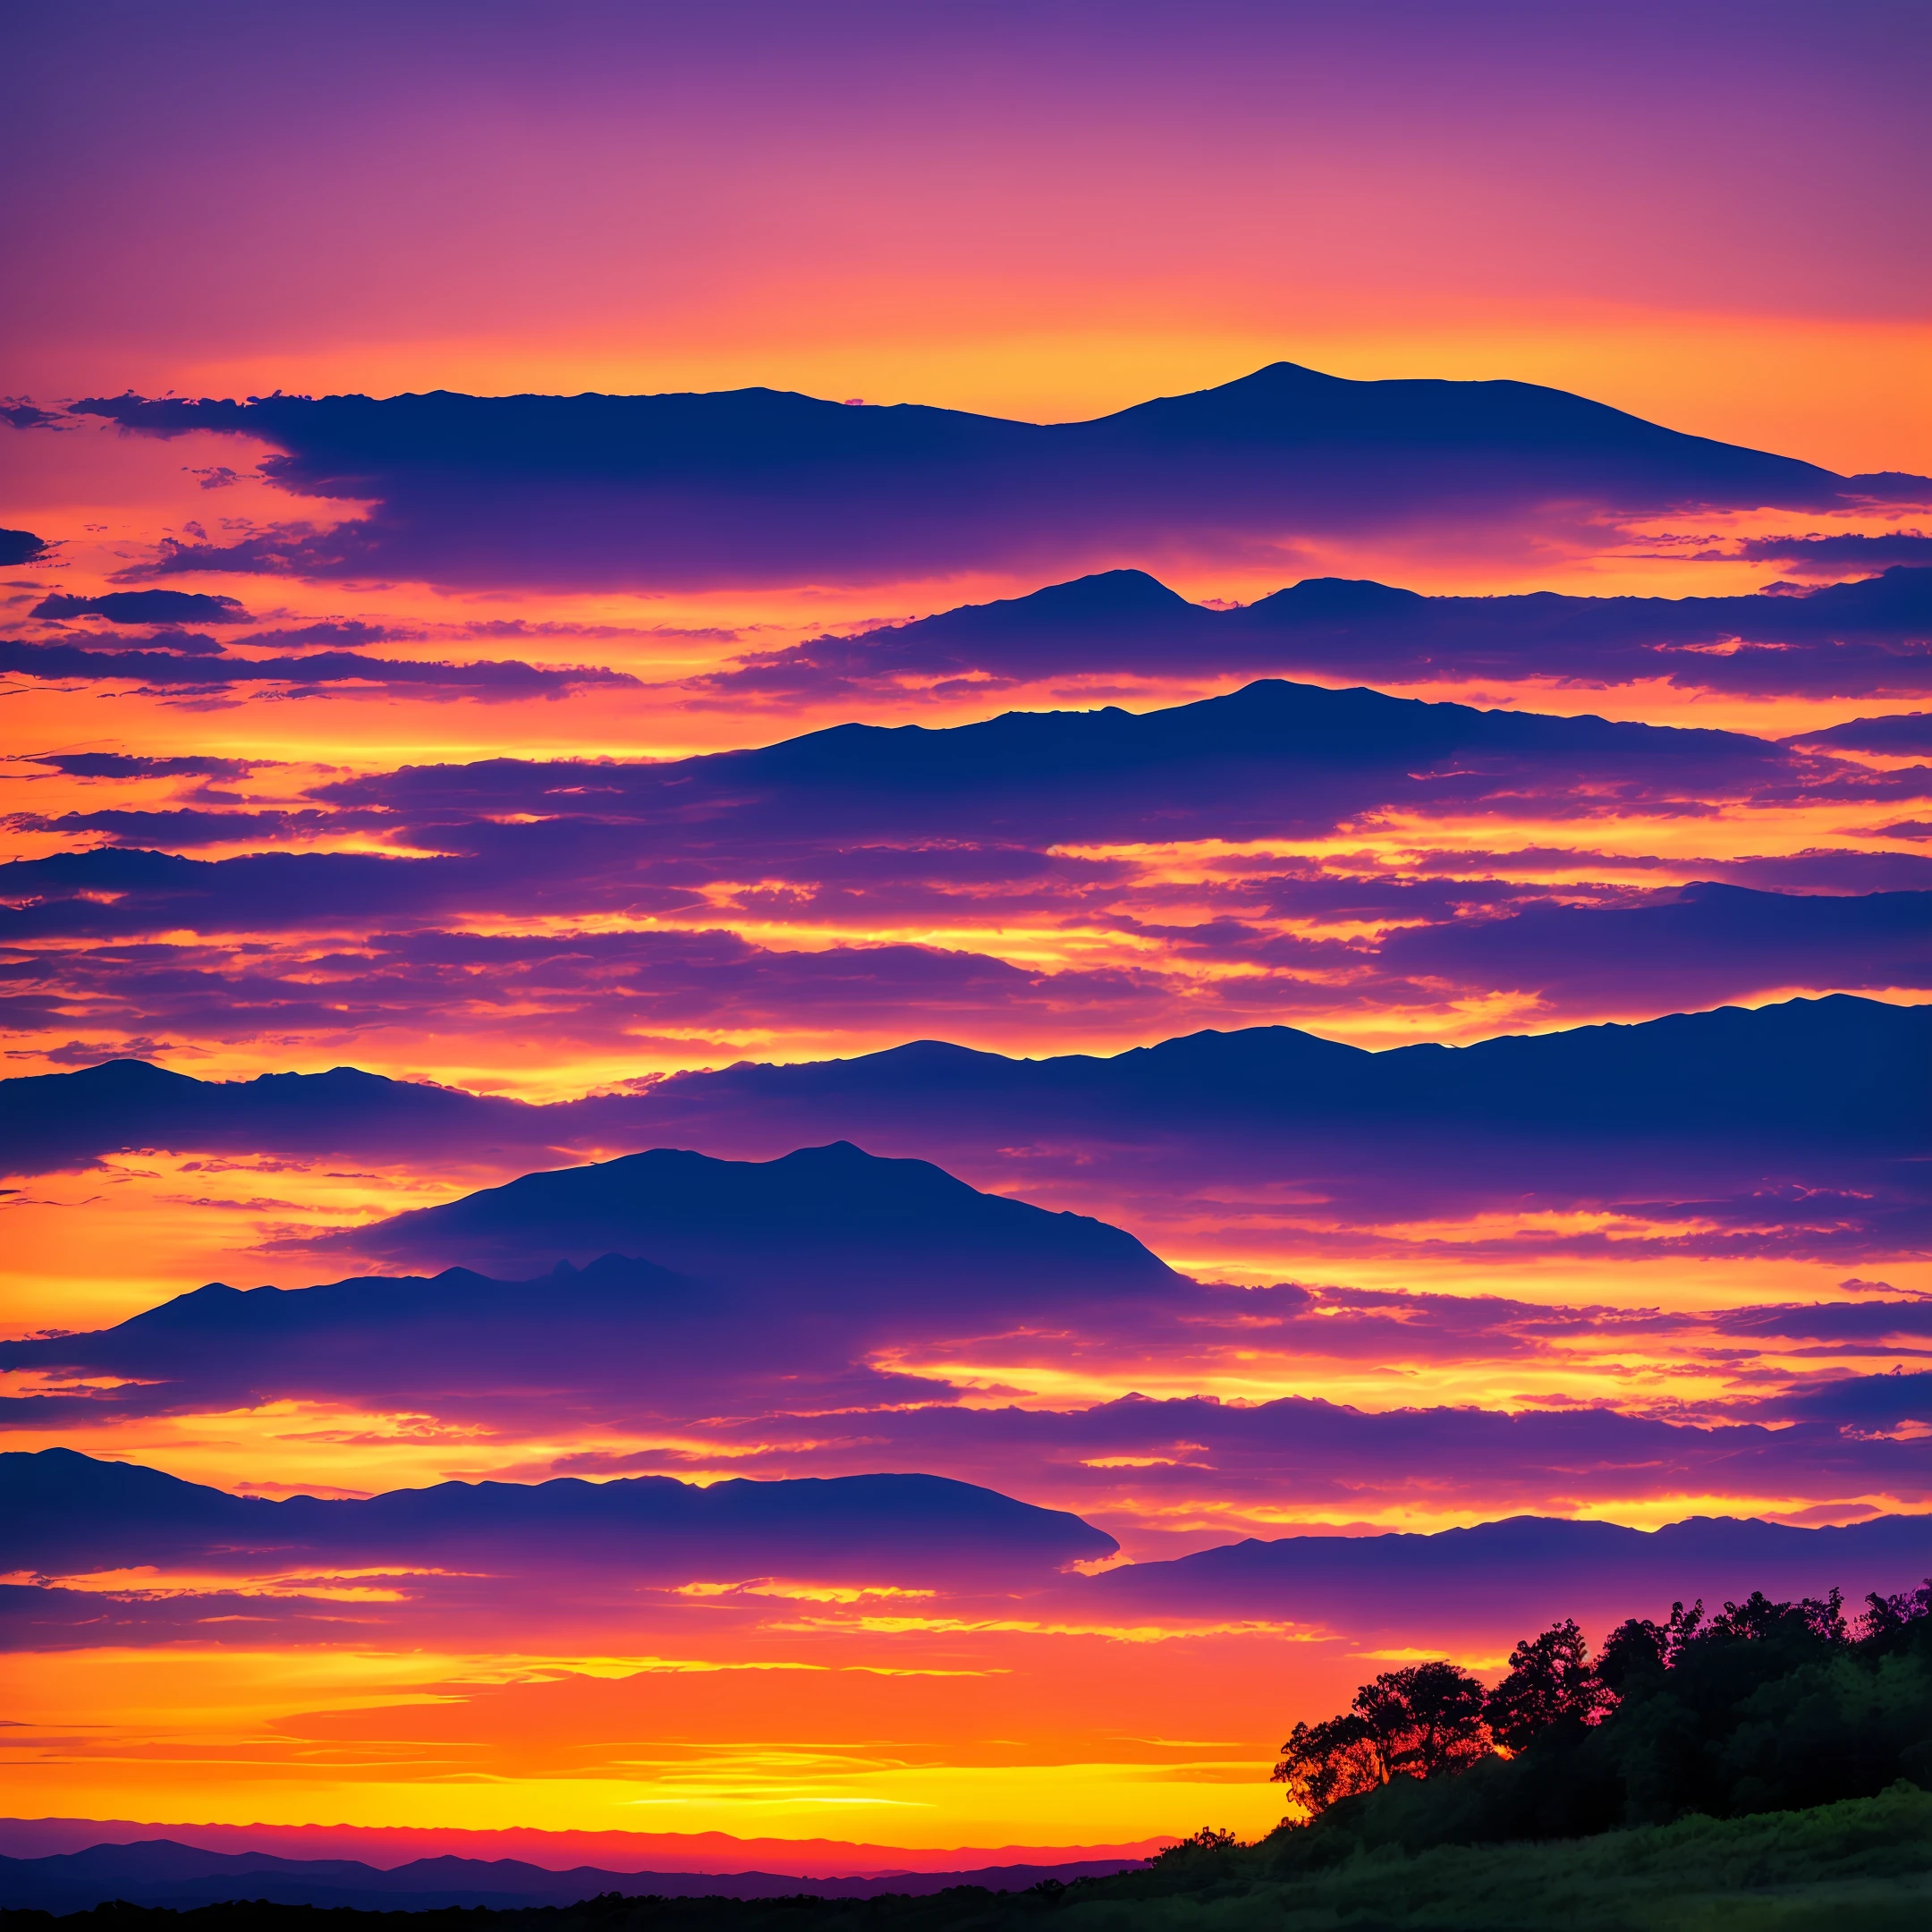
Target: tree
x=1681 y=1630
x=1425 y=1719
x=1550 y=1681
x=1757 y=1618
x=1885 y=1615
x=1638 y=1647
x=1414 y=1723
x=1208 y=1838
x=1322 y=1764
x=1635 y=1650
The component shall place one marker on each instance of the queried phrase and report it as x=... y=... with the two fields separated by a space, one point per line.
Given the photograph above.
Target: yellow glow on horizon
x=1851 y=395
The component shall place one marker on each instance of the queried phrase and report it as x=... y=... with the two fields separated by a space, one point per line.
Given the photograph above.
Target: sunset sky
x=351 y=726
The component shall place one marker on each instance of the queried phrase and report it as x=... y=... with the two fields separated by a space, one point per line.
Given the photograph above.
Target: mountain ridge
x=1851 y=638
x=816 y=1212
x=78 y=1115
x=62 y=1513
x=763 y=486
x=167 y=1873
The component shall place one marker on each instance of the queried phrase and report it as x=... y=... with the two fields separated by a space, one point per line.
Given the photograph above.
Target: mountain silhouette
x=1837 y=639
x=1903 y=734
x=808 y=1264
x=1274 y=759
x=1822 y=1071
x=1830 y=1091
x=819 y=1215
x=1517 y=1574
x=161 y=1872
x=62 y=1117
x=64 y=1513
x=763 y=486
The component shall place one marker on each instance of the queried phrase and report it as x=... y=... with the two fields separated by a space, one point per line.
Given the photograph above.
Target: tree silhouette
x=1764 y=1705
x=1321 y=1763
x=1638 y=1647
x=1550 y=1681
x=1208 y=1838
x=1885 y=1615
x=1413 y=1723
x=1757 y=1618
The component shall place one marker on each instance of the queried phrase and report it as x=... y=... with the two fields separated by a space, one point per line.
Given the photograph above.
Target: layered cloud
x=715 y=1434
x=1369 y=865
x=127 y=1557
x=829 y=1312
x=182 y=662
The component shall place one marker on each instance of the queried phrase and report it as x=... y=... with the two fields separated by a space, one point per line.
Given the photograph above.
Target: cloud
x=146 y=607
x=783 y=1356
x=378 y=932
x=1031 y=882
x=18 y=546
x=1829 y=871
x=185 y=827
x=128 y=764
x=1697 y=943
x=1832 y=556
x=341 y=633
x=286 y=549
x=757 y=485
x=207 y=668
x=858 y=807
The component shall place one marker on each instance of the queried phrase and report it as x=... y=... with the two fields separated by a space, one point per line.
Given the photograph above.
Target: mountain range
x=1829 y=1094
x=64 y=1513
x=1864 y=638
x=863 y=804
x=1795 y=1072
x=71 y=1516
x=1871 y=635
x=802 y=1270
x=757 y=486
x=161 y=1873
x=1531 y=1568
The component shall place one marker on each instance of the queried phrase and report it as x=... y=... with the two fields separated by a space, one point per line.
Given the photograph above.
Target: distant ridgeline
x=1768 y=1766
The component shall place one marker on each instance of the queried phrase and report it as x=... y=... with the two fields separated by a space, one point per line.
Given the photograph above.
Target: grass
x=1864 y=1865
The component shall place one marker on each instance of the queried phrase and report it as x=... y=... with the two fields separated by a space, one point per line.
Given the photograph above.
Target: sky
x=571 y=751
x=1042 y=211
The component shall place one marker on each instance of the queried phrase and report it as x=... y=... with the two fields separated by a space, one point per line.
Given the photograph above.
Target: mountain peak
x=818 y=1214
x=1114 y=598
x=1337 y=599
